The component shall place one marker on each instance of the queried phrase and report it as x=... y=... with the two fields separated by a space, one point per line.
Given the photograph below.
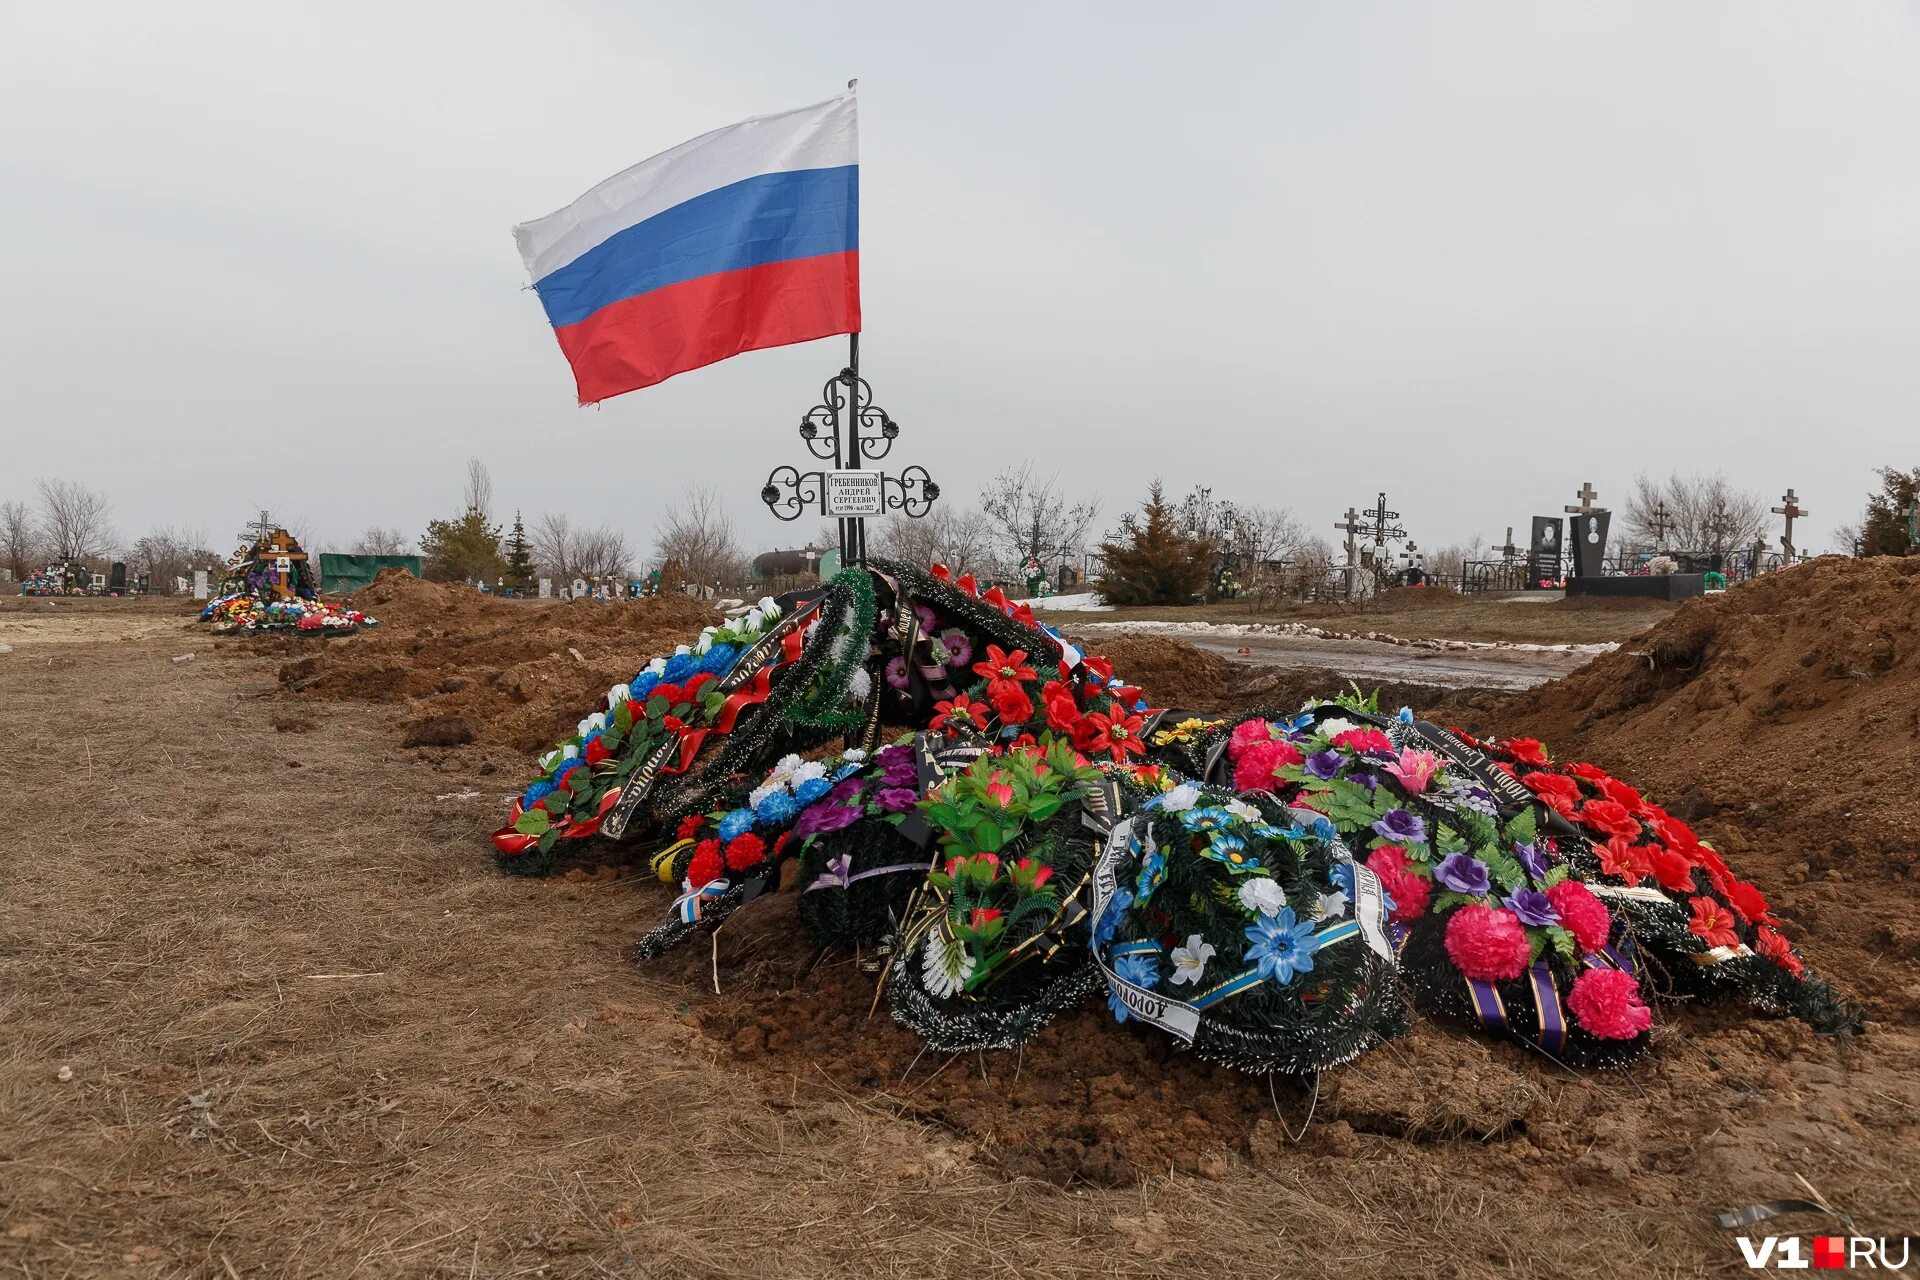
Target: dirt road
x=266 y=1009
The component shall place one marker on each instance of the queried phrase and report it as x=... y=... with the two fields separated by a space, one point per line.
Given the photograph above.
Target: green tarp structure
x=350 y=573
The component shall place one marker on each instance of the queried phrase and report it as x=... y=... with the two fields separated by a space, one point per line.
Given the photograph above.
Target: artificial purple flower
x=927 y=620
x=899 y=799
x=1463 y=873
x=959 y=648
x=847 y=792
x=897 y=672
x=1532 y=907
x=1533 y=860
x=1405 y=827
x=825 y=817
x=1324 y=764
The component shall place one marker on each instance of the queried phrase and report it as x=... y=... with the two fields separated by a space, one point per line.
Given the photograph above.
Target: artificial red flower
x=1245 y=734
x=1410 y=892
x=596 y=752
x=1775 y=947
x=1488 y=943
x=1606 y=1003
x=705 y=865
x=1125 y=694
x=1116 y=731
x=1363 y=740
x=1003 y=666
x=1054 y=690
x=1712 y=923
x=999 y=791
x=982 y=917
x=1023 y=612
x=1609 y=816
x=1506 y=768
x=1557 y=793
x=1673 y=871
x=1463 y=735
x=781 y=842
x=1623 y=859
x=1622 y=794
x=1591 y=772
x=968 y=585
x=746 y=850
x=671 y=692
x=1749 y=902
x=1677 y=835
x=690 y=826
x=1527 y=751
x=997 y=598
x=1261 y=761
x=941 y=572
x=962 y=712
x=1011 y=702
x=691 y=689
x=1581 y=914
x=1100 y=667
x=673 y=724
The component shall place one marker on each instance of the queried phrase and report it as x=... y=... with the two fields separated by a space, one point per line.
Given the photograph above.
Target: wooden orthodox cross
x=1586 y=495
x=1790 y=510
x=282 y=553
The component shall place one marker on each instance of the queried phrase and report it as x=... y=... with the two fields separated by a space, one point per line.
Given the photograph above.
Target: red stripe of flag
x=639 y=341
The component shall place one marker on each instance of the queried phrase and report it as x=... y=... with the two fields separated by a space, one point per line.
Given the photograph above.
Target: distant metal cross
x=1790 y=510
x=1381 y=530
x=1586 y=495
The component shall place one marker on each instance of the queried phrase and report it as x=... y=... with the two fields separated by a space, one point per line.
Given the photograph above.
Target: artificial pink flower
x=1410 y=892
x=1606 y=1003
x=1245 y=734
x=1581 y=914
x=1488 y=943
x=1260 y=761
x=1415 y=769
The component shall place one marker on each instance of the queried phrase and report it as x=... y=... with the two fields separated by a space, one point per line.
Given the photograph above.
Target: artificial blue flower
x=1282 y=946
x=1117 y=906
x=719 y=659
x=1343 y=878
x=1142 y=969
x=779 y=807
x=679 y=667
x=1153 y=873
x=737 y=823
x=642 y=686
x=539 y=791
x=812 y=789
x=560 y=774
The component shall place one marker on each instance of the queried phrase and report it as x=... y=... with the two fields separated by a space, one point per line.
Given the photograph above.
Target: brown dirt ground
x=1423 y=613
x=310 y=1031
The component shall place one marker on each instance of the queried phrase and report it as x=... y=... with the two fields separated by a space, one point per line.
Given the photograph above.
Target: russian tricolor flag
x=743 y=238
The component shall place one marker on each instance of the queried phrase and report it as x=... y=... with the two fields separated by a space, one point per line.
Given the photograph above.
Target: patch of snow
x=1084 y=602
x=1299 y=630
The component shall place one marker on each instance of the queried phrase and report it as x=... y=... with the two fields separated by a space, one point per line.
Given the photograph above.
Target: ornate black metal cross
x=846 y=429
x=1381 y=529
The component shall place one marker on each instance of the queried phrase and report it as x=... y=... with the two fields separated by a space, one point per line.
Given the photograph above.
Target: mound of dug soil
x=1783 y=719
x=470 y=667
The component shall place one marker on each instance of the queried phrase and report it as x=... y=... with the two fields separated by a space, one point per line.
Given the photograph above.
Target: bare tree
x=19 y=540
x=168 y=553
x=479 y=490
x=601 y=553
x=957 y=539
x=73 y=521
x=1446 y=565
x=552 y=540
x=697 y=536
x=378 y=541
x=1703 y=514
x=1031 y=517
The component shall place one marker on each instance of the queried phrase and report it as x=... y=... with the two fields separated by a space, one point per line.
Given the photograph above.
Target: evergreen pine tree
x=462 y=550
x=1153 y=562
x=519 y=557
x=1885 y=531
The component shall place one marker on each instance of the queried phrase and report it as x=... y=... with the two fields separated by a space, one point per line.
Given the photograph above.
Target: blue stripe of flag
x=774 y=217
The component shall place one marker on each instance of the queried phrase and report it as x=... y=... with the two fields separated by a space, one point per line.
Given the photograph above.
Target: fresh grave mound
x=1010 y=834
x=1780 y=718
x=468 y=666
x=269 y=587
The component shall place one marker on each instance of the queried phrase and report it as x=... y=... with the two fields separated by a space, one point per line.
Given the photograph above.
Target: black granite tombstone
x=1544 y=554
x=1589 y=536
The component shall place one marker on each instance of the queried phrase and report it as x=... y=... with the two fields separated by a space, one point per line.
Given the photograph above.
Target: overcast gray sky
x=1470 y=253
